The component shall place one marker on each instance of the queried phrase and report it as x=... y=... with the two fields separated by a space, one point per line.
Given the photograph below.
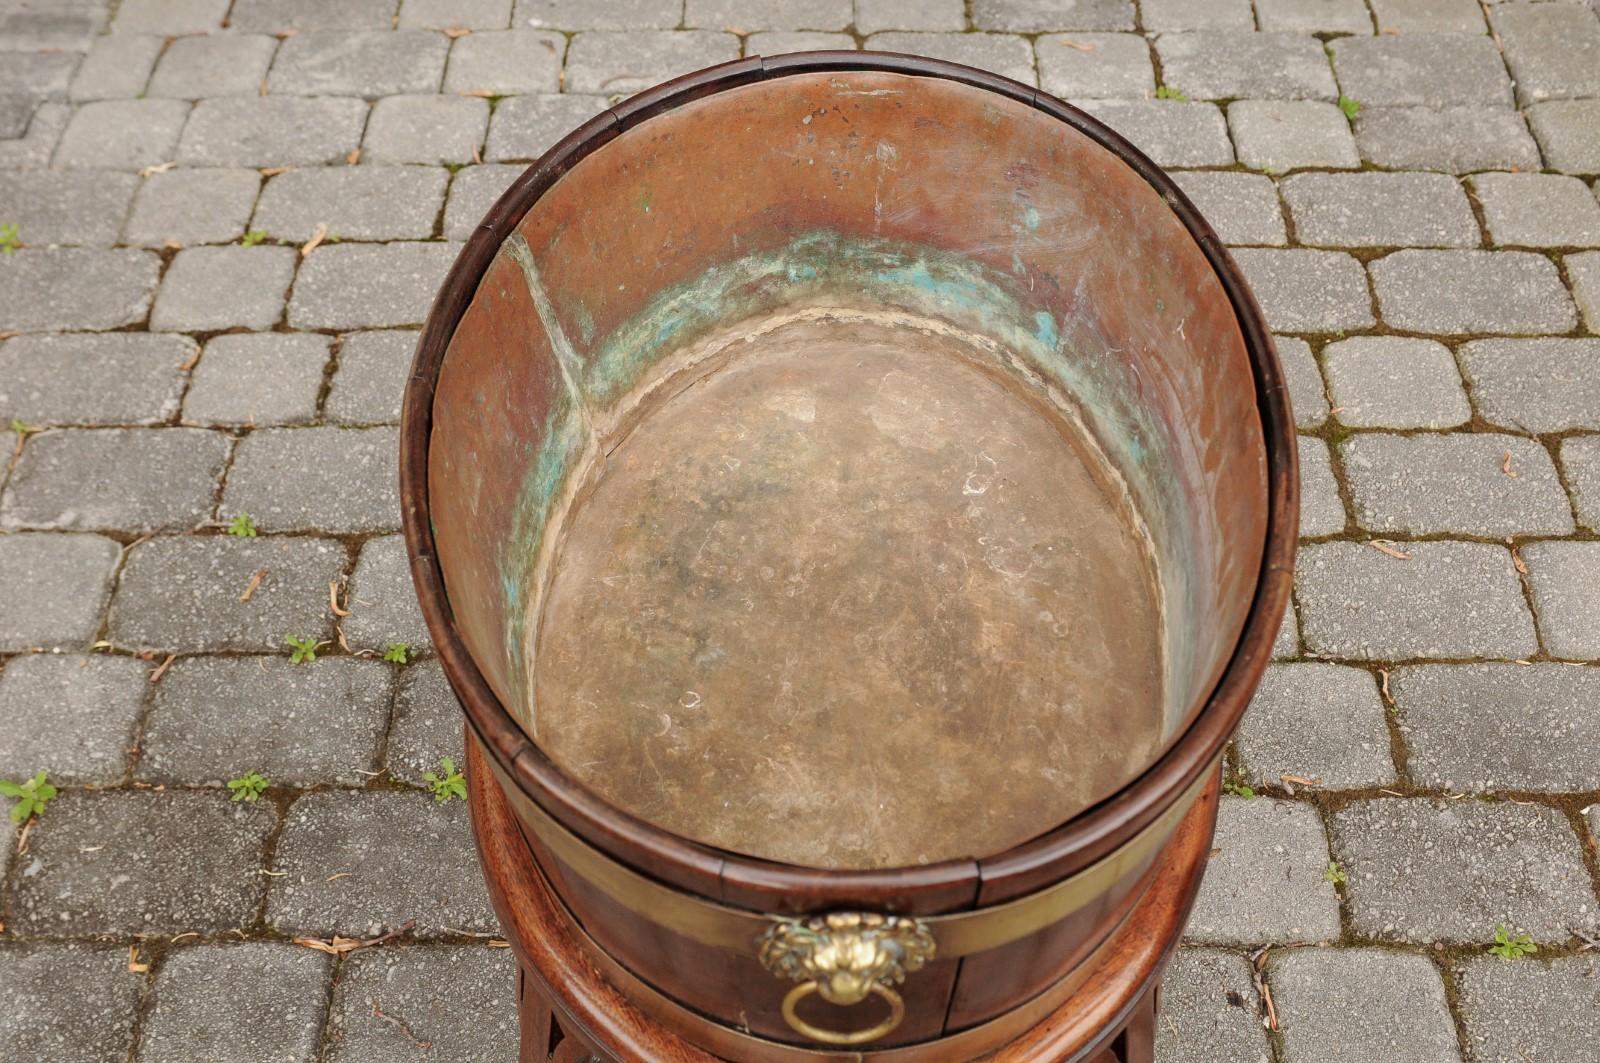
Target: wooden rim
x=764 y=885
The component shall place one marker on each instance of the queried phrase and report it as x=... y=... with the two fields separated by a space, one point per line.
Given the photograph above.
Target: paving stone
x=1266 y=884
x=1317 y=720
x=383 y=600
x=1395 y=382
x=777 y=42
x=73 y=716
x=1452 y=139
x=32 y=151
x=1445 y=600
x=131 y=479
x=272 y=131
x=1399 y=998
x=1306 y=393
x=371 y=378
x=1290 y=134
x=216 y=718
x=455 y=14
x=341 y=480
x=1565 y=580
x=84 y=378
x=742 y=16
x=359 y=63
x=1538 y=210
x=352 y=287
x=1542 y=1011
x=427 y=723
x=1535 y=385
x=1314 y=16
x=1422 y=69
x=1171 y=132
x=139 y=862
x=1200 y=1021
x=1483 y=863
x=1428 y=16
x=426 y=129
x=122 y=134
x=1380 y=210
x=116 y=68
x=192 y=207
x=1223 y=65
x=1049 y=16
x=525 y=127
x=998 y=53
x=871 y=16
x=354 y=202
x=70 y=208
x=1480 y=728
x=461 y=1000
x=473 y=190
x=49 y=29
x=209 y=288
x=76 y=288
x=229 y=64
x=1553 y=50
x=1569 y=134
x=91 y=1023
x=169 y=18
x=1307 y=291
x=1321 y=511
x=276 y=16
x=16 y=110
x=599 y=14
x=1159 y=16
x=408 y=857
x=1580 y=458
x=211 y=1000
x=182 y=593
x=259 y=379
x=1471 y=291
x=505 y=62
x=1118 y=65
x=63 y=582
x=42 y=75
x=611 y=63
x=1583 y=273
x=1430 y=483
x=1241 y=207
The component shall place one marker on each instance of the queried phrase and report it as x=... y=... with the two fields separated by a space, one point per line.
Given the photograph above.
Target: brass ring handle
x=791 y=1004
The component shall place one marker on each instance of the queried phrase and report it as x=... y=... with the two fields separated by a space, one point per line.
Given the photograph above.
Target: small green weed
x=1511 y=948
x=252 y=238
x=243 y=526
x=1335 y=874
x=31 y=794
x=448 y=784
x=21 y=429
x=398 y=652
x=8 y=239
x=1350 y=107
x=1167 y=92
x=248 y=787
x=304 y=649
x=1239 y=790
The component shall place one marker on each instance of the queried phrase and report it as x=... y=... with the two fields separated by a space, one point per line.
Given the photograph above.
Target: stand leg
x=543 y=1038
x=1138 y=1040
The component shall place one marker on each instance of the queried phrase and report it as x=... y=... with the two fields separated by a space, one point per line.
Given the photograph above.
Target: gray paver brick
x=427 y=723
x=1565 y=579
x=71 y=715
x=88 y=378
x=192 y=207
x=325 y=479
x=1314 y=16
x=473 y=190
x=461 y=1000
x=1483 y=864
x=998 y=53
x=1317 y=720
x=1472 y=291
x=169 y=17
x=183 y=593
x=211 y=1000
x=1395 y=382
x=1569 y=134
x=1583 y=273
x=116 y=68
x=1200 y=1023
x=32 y=151
x=132 y=479
x=745 y=15
x=1449 y=139
x=216 y=718
x=354 y=202
x=1291 y=134
x=272 y=131
x=41 y=75
x=1429 y=16
x=257 y=378
x=371 y=379
x=1422 y=69
x=1544 y=385
x=1222 y=65
x=232 y=64
x=455 y=14
x=426 y=129
x=1117 y=65
x=276 y=16
x=599 y=14
x=1171 y=132
x=63 y=580
x=872 y=16
x=1446 y=600
x=1241 y=207
x=524 y=127
x=209 y=288
x=1580 y=459
x=68 y=208
x=1399 y=998
x=408 y=857
x=48 y=27
x=1266 y=884
x=1307 y=291
x=122 y=134
x=76 y=288
x=383 y=601
x=1036 y=16
x=1321 y=511
x=352 y=287
x=1538 y=210
x=1380 y=210
x=607 y=62
x=359 y=63
x=16 y=110
x=1158 y=16
x=1485 y=727
x=1553 y=50
x=1306 y=392
x=506 y=62
x=138 y=862
x=1542 y=1011
x=91 y=1023
x=776 y=42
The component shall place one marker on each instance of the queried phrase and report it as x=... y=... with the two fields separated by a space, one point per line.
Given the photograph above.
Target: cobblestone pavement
x=1411 y=187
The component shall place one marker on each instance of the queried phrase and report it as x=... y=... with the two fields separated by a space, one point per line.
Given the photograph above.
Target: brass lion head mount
x=846 y=954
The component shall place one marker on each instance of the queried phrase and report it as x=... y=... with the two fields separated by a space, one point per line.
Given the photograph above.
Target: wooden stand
x=572 y=1012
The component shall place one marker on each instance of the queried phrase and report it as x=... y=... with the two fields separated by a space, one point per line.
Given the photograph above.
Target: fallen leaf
x=133 y=961
x=151 y=171
x=273 y=171
x=1505 y=467
x=340 y=945
x=341 y=874
x=1302 y=780
x=172 y=245
x=456 y=32
x=333 y=599
x=261 y=89
x=255 y=581
x=485 y=93
x=1516 y=559
x=319 y=234
x=284 y=35
x=155 y=676
x=496 y=943
x=354 y=156
x=1385 y=548
x=190 y=362
x=1383 y=673
x=1068 y=42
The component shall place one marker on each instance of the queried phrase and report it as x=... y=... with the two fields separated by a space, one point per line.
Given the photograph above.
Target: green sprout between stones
x=252 y=238
x=21 y=429
x=248 y=787
x=449 y=783
x=304 y=649
x=1511 y=948
x=1335 y=874
x=1350 y=107
x=31 y=794
x=1167 y=92
x=8 y=239
x=243 y=526
x=1239 y=790
x=398 y=653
